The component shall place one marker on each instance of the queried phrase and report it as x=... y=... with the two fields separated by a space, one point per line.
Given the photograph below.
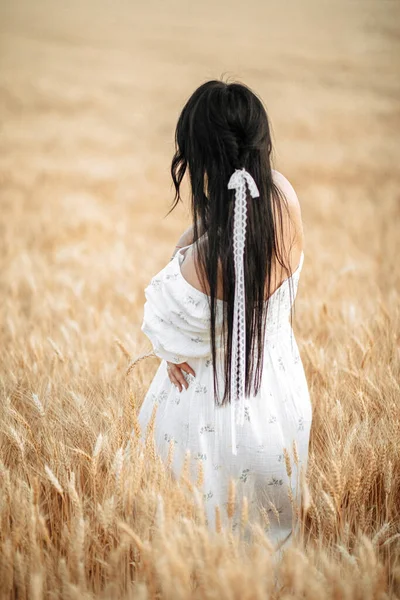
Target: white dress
x=176 y=320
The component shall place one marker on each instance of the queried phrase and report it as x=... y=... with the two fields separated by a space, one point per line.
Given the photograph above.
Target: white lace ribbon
x=238 y=182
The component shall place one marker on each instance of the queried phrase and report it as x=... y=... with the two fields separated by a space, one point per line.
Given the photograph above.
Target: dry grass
x=89 y=96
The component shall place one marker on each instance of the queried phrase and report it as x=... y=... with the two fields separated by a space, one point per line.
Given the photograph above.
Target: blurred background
x=90 y=93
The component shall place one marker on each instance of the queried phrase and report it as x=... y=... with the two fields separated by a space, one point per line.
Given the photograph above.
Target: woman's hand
x=175 y=373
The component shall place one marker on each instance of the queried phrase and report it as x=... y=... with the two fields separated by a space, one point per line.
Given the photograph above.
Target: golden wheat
x=88 y=102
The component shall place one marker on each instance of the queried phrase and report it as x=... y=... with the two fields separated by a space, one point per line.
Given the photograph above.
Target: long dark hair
x=223 y=127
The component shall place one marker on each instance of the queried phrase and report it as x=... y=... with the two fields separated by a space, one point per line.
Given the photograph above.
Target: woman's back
x=290 y=242
x=220 y=310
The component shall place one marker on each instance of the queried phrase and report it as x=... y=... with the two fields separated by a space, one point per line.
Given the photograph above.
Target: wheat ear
x=138 y=360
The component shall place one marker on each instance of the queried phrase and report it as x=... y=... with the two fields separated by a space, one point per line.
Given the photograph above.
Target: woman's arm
x=175 y=372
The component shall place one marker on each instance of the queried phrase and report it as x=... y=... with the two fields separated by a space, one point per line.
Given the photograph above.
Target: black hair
x=223 y=127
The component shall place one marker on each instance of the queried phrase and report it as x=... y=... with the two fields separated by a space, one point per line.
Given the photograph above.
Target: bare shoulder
x=292 y=224
x=287 y=190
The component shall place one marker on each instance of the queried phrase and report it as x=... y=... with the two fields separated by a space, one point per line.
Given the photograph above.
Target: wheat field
x=89 y=94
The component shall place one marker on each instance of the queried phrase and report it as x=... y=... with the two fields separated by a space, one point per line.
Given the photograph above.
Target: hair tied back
x=238 y=182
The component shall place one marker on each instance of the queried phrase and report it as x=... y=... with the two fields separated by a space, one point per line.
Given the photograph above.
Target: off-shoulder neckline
x=179 y=255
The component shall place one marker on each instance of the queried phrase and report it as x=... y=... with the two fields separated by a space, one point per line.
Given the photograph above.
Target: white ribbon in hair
x=238 y=182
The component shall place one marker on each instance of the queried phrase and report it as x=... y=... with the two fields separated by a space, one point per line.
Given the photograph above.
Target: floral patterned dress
x=176 y=320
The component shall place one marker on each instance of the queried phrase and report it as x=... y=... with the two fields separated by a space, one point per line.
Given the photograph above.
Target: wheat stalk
x=171 y=452
x=38 y=404
x=53 y=480
x=185 y=471
x=274 y=510
x=56 y=349
x=231 y=499
x=296 y=457
x=218 y=523
x=138 y=360
x=244 y=517
x=123 y=349
x=200 y=474
x=288 y=464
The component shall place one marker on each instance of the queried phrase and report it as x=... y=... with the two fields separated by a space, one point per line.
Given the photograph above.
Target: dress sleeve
x=176 y=317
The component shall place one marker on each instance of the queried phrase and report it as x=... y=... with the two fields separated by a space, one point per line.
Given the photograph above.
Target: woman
x=231 y=386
